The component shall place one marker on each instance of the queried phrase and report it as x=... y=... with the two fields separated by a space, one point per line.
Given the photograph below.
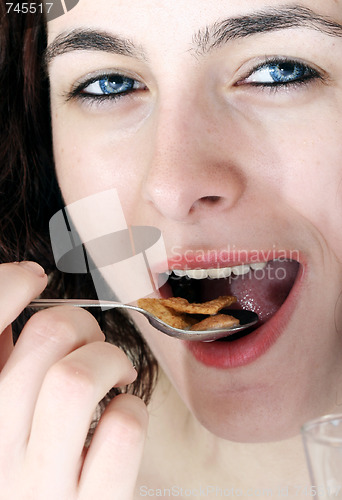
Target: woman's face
x=226 y=134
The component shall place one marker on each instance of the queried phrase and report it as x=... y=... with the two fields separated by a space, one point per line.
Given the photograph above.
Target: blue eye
x=287 y=72
x=107 y=87
x=113 y=84
x=282 y=73
x=116 y=84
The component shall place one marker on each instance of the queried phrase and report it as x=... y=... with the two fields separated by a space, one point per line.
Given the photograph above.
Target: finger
x=20 y=283
x=67 y=401
x=6 y=346
x=46 y=338
x=113 y=459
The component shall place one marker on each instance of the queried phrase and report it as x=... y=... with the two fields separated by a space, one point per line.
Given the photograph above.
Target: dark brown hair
x=28 y=187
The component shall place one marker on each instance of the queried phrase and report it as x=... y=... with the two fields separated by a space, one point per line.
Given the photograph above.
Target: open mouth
x=261 y=287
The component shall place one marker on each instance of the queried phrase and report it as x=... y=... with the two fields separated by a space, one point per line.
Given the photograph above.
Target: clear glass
x=323 y=447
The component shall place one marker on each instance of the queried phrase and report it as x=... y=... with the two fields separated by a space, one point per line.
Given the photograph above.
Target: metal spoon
x=247 y=318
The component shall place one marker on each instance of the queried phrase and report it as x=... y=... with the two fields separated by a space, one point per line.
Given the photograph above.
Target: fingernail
x=33 y=266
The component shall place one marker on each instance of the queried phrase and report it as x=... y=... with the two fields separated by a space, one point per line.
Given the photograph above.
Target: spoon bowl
x=247 y=318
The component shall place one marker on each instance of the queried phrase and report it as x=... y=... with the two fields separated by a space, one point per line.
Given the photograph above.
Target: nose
x=191 y=172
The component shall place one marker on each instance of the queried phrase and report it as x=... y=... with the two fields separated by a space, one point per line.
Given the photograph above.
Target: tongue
x=262 y=291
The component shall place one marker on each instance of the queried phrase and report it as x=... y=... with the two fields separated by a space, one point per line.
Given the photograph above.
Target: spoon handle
x=38 y=303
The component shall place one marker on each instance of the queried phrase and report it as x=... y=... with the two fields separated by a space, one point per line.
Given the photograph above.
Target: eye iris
x=286 y=72
x=115 y=84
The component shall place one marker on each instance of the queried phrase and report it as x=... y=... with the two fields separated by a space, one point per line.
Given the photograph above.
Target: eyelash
x=310 y=75
x=79 y=91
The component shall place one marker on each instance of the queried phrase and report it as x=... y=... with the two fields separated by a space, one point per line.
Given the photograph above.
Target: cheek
x=91 y=157
x=318 y=194
x=305 y=170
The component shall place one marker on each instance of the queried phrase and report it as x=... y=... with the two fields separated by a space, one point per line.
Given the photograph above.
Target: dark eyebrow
x=273 y=19
x=88 y=39
x=206 y=39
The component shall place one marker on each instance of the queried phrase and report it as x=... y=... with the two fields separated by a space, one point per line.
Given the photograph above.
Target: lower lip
x=244 y=351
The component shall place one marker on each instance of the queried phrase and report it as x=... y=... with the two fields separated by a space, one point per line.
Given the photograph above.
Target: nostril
x=207 y=201
x=210 y=199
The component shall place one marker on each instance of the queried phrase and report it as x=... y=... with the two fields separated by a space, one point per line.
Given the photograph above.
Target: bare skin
x=254 y=165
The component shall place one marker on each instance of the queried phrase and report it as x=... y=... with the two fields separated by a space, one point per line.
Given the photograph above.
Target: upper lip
x=199 y=259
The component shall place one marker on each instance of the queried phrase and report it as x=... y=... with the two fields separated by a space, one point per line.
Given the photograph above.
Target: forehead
x=172 y=20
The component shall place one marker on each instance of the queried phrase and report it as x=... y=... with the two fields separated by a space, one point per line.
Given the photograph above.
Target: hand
x=50 y=384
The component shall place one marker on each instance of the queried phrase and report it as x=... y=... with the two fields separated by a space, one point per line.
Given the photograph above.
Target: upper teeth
x=223 y=272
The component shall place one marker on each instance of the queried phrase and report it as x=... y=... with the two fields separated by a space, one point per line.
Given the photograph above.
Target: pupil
x=287 y=69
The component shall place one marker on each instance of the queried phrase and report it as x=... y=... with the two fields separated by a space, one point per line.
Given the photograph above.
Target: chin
x=249 y=421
